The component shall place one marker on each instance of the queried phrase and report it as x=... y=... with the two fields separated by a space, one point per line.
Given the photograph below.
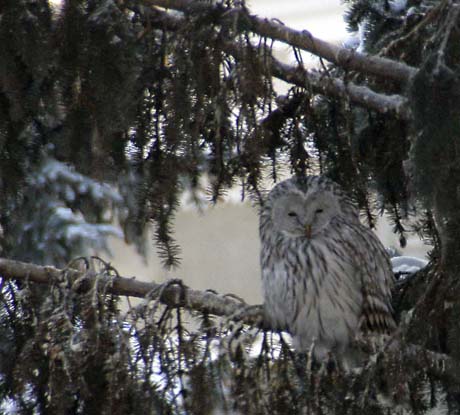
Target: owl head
x=305 y=206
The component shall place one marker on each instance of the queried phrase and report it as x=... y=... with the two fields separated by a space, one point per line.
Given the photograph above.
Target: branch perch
x=174 y=295
x=345 y=58
x=171 y=294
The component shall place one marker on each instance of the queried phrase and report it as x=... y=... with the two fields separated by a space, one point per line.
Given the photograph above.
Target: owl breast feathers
x=326 y=277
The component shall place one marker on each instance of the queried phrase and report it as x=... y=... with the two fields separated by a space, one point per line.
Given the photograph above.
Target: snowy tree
x=110 y=109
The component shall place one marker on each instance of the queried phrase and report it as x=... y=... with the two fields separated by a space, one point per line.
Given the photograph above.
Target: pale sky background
x=322 y=18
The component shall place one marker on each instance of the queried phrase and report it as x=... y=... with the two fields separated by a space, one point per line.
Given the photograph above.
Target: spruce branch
x=171 y=294
x=334 y=87
x=438 y=365
x=174 y=294
x=312 y=80
x=345 y=58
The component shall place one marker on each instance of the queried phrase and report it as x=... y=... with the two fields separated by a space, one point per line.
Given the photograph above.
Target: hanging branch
x=314 y=81
x=345 y=58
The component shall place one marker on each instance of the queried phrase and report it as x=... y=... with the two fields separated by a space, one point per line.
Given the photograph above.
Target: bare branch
x=345 y=58
x=170 y=294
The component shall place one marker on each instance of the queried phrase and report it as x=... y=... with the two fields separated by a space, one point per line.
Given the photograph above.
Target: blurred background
x=220 y=247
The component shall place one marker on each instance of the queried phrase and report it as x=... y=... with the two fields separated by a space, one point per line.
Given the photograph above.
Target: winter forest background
x=111 y=109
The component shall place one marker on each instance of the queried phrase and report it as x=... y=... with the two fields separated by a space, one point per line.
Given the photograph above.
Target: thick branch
x=335 y=87
x=314 y=81
x=170 y=294
x=345 y=58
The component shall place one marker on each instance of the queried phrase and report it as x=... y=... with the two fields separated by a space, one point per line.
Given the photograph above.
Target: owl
x=326 y=278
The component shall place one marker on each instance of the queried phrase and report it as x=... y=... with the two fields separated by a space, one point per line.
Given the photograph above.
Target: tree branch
x=314 y=81
x=438 y=365
x=175 y=294
x=345 y=58
x=172 y=294
x=330 y=86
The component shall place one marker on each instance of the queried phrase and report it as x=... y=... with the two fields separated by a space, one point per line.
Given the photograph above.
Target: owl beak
x=308 y=231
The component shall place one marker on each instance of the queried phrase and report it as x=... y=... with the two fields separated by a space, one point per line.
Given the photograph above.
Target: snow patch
x=407 y=264
x=397 y=6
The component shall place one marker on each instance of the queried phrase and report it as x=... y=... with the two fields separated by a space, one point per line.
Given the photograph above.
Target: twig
x=345 y=58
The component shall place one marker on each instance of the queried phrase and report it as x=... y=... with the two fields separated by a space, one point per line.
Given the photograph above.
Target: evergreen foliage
x=77 y=353
x=109 y=109
x=63 y=214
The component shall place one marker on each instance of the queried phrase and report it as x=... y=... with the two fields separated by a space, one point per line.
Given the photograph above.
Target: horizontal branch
x=172 y=294
x=327 y=85
x=314 y=81
x=175 y=294
x=343 y=57
x=330 y=86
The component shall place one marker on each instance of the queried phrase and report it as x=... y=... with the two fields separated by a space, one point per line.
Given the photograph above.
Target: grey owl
x=326 y=277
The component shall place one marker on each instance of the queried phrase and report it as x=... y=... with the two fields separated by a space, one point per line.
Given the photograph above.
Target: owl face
x=297 y=214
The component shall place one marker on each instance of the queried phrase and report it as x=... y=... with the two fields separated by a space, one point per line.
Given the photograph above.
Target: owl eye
x=319 y=210
x=292 y=214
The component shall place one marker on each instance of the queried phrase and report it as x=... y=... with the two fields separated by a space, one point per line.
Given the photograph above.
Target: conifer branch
x=316 y=82
x=173 y=293
x=334 y=87
x=343 y=57
x=438 y=365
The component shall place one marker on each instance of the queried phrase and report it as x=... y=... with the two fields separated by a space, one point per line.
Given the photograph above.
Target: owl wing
x=377 y=281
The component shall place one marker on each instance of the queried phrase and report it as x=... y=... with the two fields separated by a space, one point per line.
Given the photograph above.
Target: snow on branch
x=343 y=57
x=331 y=86
x=335 y=87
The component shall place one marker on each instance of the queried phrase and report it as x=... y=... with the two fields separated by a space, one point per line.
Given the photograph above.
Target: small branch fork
x=175 y=294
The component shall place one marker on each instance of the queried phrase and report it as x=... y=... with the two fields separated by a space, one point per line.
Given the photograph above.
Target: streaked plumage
x=326 y=277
